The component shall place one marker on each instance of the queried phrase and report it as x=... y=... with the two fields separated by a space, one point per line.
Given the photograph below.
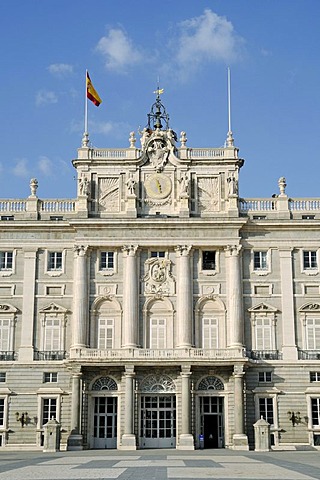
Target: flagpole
x=85 y=139
x=230 y=141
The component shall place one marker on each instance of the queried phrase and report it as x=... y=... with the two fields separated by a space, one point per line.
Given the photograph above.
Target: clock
x=158 y=185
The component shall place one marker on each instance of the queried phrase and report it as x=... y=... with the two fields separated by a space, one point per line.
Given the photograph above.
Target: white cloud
x=207 y=38
x=118 y=50
x=45 y=166
x=60 y=69
x=45 y=97
x=21 y=168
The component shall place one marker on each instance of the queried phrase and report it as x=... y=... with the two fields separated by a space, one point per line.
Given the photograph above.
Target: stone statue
x=131 y=184
x=233 y=185
x=184 y=185
x=84 y=186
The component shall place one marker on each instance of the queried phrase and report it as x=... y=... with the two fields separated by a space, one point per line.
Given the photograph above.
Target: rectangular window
x=265 y=377
x=2 y=377
x=49 y=410
x=158 y=336
x=263 y=333
x=208 y=260
x=210 y=333
x=1 y=412
x=107 y=261
x=55 y=261
x=313 y=333
x=315 y=411
x=6 y=260
x=52 y=334
x=309 y=260
x=50 y=377
x=260 y=261
x=159 y=254
x=314 y=376
x=266 y=409
x=4 y=335
x=105 y=333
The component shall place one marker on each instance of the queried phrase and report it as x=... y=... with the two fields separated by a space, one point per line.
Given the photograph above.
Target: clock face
x=158 y=185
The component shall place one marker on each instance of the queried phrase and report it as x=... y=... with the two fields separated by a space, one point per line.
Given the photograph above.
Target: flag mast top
x=91 y=94
x=230 y=140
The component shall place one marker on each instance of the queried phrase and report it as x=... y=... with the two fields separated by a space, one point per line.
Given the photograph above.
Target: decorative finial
x=85 y=140
x=33 y=187
x=282 y=186
x=183 y=139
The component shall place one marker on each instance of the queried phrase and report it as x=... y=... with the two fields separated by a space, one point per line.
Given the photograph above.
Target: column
x=240 y=440
x=185 y=438
x=289 y=348
x=27 y=320
x=234 y=289
x=130 y=297
x=80 y=297
x=128 y=437
x=75 y=438
x=184 y=297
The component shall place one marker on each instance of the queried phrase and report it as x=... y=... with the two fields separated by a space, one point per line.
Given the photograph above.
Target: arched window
x=104 y=383
x=210 y=383
x=158 y=384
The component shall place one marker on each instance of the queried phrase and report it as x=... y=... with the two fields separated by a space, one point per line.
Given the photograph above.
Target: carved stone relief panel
x=158 y=277
x=109 y=194
x=208 y=194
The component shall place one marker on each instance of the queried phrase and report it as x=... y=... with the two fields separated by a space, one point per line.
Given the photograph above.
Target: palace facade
x=158 y=309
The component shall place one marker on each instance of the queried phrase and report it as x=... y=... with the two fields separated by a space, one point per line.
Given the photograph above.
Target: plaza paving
x=160 y=465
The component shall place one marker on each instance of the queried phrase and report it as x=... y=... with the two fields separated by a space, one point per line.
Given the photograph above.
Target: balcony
x=49 y=355
x=309 y=354
x=141 y=354
x=7 y=356
x=264 y=354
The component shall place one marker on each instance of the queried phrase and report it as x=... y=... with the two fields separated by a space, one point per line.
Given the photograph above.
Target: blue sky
x=271 y=46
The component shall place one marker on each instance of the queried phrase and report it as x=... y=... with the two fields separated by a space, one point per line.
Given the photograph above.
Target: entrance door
x=158 y=421
x=105 y=422
x=211 y=411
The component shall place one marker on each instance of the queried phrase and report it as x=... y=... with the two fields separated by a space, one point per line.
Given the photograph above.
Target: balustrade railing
x=7 y=356
x=304 y=205
x=264 y=354
x=210 y=153
x=141 y=353
x=58 y=205
x=257 y=204
x=49 y=355
x=13 y=206
x=96 y=153
x=309 y=354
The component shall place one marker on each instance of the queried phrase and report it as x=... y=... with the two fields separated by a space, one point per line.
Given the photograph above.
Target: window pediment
x=7 y=308
x=53 y=308
x=310 y=307
x=262 y=308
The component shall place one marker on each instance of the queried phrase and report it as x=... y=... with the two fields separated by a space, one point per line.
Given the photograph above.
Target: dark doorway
x=210 y=430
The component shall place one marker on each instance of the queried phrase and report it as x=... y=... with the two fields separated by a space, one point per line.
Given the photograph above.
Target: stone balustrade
x=157 y=355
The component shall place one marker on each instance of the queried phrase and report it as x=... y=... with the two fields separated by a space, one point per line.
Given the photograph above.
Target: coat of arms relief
x=158 y=278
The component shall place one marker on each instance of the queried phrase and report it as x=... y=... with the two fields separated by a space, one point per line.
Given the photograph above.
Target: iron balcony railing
x=264 y=354
x=49 y=355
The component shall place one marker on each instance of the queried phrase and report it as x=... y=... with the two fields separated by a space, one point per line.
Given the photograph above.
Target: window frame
x=50 y=377
x=316 y=376
x=262 y=376
x=262 y=270
x=107 y=271
x=7 y=272
x=55 y=272
x=209 y=272
x=309 y=269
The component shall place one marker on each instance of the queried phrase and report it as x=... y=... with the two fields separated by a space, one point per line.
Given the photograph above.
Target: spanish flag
x=91 y=92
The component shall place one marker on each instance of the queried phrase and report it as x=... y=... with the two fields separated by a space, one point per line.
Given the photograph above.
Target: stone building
x=158 y=309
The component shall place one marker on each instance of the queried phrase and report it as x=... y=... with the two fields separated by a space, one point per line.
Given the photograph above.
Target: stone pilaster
x=240 y=439
x=27 y=321
x=80 y=297
x=128 y=437
x=234 y=292
x=75 y=438
x=185 y=438
x=130 y=297
x=289 y=348
x=184 y=297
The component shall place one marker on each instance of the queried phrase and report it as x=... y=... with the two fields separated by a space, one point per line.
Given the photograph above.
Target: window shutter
x=105 y=333
x=158 y=333
x=52 y=337
x=4 y=334
x=210 y=334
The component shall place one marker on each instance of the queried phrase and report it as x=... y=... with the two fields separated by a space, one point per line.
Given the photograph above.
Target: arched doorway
x=105 y=413
x=157 y=412
x=211 y=406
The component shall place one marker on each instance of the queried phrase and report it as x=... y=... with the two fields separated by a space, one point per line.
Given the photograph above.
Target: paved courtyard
x=160 y=465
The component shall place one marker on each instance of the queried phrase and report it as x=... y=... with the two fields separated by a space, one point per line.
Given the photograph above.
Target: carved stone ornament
x=108 y=194
x=157 y=152
x=313 y=307
x=157 y=384
x=158 y=278
x=208 y=194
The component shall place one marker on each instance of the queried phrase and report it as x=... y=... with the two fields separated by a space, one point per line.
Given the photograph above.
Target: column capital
x=185 y=371
x=183 y=250
x=238 y=371
x=233 y=250
x=80 y=250
x=130 y=250
x=129 y=371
